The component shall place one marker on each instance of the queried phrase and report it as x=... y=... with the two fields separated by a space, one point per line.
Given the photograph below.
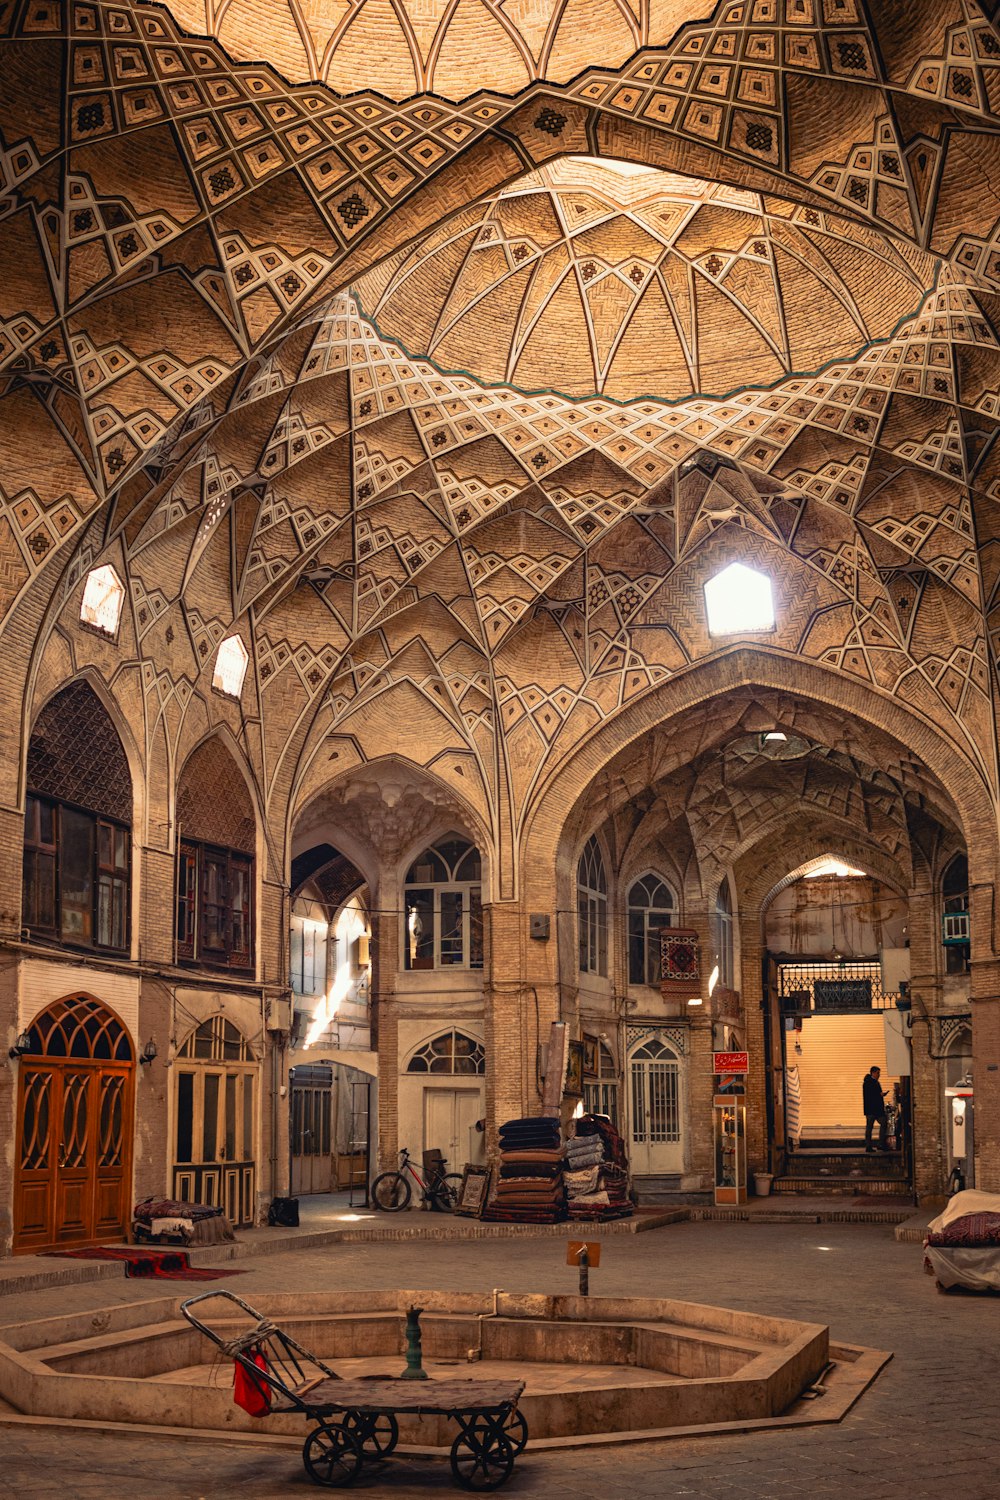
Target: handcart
x=356 y=1420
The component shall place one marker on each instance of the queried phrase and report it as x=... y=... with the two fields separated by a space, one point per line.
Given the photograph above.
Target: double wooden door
x=74 y=1144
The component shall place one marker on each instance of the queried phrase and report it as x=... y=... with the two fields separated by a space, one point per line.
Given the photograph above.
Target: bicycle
x=391 y=1191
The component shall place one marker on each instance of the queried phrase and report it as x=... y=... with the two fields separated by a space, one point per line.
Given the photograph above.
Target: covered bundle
x=595 y=1171
x=529 y=1188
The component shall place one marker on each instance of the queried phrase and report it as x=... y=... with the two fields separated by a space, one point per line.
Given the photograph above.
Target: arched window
x=724 y=934
x=650 y=907
x=77 y=826
x=451 y=1052
x=955 y=925
x=592 y=909
x=215 y=865
x=444 y=907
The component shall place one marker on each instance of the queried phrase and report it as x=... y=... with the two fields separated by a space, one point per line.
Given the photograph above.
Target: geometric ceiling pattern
x=450 y=405
x=587 y=276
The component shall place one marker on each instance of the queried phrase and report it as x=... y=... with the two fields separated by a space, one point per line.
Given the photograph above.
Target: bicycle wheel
x=391 y=1192
x=446 y=1192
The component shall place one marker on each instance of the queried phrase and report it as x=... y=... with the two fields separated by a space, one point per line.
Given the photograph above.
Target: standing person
x=873 y=1100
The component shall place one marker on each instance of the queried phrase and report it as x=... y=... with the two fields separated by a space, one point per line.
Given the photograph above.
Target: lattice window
x=76 y=756
x=82 y=1028
x=213 y=803
x=451 y=1052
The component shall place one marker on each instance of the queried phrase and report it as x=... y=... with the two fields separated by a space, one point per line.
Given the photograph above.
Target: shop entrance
x=832 y=1032
x=74 y=1128
x=215 y=1107
x=657 y=1146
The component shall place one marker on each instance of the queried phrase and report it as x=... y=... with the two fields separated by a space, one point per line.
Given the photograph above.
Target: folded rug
x=530 y=1169
x=538 y=1155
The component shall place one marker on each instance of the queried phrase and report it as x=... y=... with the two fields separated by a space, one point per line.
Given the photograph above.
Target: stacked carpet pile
x=529 y=1189
x=168 y=1221
x=595 y=1171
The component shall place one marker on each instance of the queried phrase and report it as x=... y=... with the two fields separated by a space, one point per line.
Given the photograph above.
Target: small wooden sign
x=575 y=1249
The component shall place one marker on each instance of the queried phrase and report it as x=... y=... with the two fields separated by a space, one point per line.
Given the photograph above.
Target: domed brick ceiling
x=591 y=276
x=403 y=47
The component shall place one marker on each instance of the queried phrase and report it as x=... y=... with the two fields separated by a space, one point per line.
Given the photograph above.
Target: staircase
x=654 y=1188
x=844 y=1170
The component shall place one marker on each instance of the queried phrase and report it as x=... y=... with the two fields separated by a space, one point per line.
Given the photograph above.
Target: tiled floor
x=927 y=1430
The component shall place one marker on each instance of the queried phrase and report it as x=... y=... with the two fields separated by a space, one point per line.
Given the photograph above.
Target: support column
x=385 y=1026
x=929 y=1149
x=752 y=1007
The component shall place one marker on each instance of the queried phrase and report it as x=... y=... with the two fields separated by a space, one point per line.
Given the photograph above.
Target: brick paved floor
x=929 y=1427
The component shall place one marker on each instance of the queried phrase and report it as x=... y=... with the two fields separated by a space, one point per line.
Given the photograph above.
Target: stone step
x=841 y=1186
x=843 y=1164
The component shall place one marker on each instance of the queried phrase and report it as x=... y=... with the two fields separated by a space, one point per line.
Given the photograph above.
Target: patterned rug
x=169 y=1265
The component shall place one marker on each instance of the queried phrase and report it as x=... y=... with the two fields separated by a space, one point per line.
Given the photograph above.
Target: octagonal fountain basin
x=591 y=1366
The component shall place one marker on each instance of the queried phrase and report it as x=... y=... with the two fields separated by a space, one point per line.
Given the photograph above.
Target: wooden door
x=215 y=1119
x=74 y=1129
x=449 y=1116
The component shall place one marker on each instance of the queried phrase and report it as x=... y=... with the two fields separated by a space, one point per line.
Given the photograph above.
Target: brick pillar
x=699 y=1077
x=511 y=1019
x=986 y=1051
x=385 y=1024
x=8 y=1102
x=929 y=1150
x=752 y=1007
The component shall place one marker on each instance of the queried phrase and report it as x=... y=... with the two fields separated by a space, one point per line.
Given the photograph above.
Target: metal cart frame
x=355 y=1421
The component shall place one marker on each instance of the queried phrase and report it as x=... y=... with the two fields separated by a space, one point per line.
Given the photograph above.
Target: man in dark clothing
x=874 y=1106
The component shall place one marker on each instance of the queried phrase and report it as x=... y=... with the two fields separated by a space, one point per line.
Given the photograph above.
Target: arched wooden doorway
x=215 y=1082
x=74 y=1128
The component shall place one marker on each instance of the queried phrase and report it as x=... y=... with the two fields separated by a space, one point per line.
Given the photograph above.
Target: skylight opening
x=103 y=597
x=739 y=600
x=830 y=865
x=230 y=667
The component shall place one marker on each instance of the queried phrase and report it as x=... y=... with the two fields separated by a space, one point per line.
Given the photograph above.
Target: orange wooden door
x=74 y=1129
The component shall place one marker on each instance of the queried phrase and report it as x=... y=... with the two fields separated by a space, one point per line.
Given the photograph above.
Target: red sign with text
x=730 y=1062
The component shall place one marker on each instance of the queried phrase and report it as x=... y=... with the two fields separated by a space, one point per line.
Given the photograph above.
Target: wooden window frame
x=117 y=876
x=191 y=911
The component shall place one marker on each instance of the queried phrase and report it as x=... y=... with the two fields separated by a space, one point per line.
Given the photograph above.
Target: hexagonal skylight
x=230 y=666
x=739 y=599
x=103 y=597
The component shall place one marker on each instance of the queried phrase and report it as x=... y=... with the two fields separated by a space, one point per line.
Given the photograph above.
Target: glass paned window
x=650 y=907
x=592 y=909
x=444 y=910
x=724 y=934
x=214 y=909
x=103 y=597
x=76 y=875
x=451 y=1052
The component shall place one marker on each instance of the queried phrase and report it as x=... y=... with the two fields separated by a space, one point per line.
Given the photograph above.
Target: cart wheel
x=481 y=1458
x=376 y=1436
x=515 y=1430
x=332 y=1456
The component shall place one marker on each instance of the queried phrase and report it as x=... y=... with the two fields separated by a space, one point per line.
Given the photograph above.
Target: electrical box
x=539 y=925
x=279 y=1015
x=364 y=953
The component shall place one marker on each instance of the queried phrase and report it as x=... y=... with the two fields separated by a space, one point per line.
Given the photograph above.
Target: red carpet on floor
x=169 y=1265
